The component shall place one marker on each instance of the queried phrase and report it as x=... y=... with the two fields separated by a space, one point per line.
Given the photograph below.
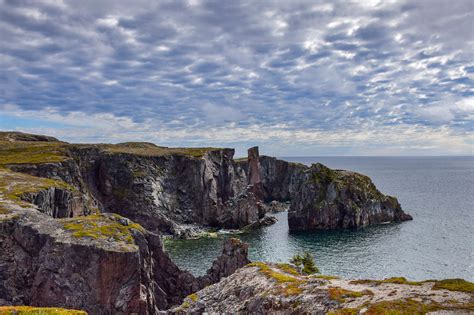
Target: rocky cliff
x=261 y=288
x=182 y=190
x=102 y=264
x=331 y=199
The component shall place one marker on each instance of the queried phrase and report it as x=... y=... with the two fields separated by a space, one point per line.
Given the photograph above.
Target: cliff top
x=22 y=148
x=267 y=288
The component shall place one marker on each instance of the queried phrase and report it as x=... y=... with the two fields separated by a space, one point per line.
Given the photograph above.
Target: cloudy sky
x=296 y=78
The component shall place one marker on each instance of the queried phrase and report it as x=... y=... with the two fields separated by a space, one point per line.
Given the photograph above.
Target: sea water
x=439 y=243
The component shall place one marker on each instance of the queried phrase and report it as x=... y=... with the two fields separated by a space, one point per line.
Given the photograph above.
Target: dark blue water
x=438 y=243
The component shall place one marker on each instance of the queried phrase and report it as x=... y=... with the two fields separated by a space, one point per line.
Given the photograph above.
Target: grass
x=149 y=149
x=31 y=310
x=14 y=186
x=395 y=280
x=32 y=152
x=271 y=274
x=340 y=294
x=289 y=289
x=324 y=277
x=454 y=285
x=447 y=284
x=288 y=269
x=101 y=227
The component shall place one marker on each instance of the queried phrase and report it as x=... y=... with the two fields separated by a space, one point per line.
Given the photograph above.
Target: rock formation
x=261 y=288
x=180 y=191
x=331 y=199
x=103 y=264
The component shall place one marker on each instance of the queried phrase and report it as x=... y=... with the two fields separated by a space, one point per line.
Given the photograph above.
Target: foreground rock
x=102 y=264
x=181 y=191
x=279 y=289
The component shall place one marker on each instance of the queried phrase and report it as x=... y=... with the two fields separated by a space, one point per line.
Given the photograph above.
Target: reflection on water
x=438 y=192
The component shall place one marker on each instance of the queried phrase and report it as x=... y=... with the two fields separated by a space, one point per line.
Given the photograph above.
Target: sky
x=297 y=78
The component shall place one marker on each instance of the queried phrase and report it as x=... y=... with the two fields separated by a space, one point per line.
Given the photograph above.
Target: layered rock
x=331 y=199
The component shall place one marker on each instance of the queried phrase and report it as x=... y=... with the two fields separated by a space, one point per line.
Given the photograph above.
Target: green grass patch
x=14 y=186
x=324 y=277
x=394 y=280
x=340 y=294
x=271 y=274
x=32 y=152
x=149 y=149
x=454 y=285
x=99 y=226
x=288 y=269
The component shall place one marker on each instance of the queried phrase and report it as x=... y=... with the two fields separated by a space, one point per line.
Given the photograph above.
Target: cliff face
x=179 y=191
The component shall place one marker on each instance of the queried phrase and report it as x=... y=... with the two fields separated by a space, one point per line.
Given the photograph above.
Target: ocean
x=439 y=243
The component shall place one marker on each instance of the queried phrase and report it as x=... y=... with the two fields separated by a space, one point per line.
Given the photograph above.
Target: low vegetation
x=102 y=227
x=31 y=310
x=272 y=274
x=32 y=152
x=447 y=284
x=454 y=285
x=149 y=149
x=394 y=280
x=288 y=269
x=340 y=294
x=13 y=186
x=4 y=210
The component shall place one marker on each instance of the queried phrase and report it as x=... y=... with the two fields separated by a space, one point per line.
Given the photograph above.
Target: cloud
x=345 y=67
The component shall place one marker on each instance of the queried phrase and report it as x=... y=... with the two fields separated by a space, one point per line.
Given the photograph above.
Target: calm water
x=438 y=243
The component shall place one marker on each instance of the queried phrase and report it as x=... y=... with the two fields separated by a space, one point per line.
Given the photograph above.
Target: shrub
x=305 y=262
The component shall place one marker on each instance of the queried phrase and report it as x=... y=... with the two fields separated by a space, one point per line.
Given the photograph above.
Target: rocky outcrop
x=263 y=288
x=103 y=264
x=331 y=199
x=234 y=256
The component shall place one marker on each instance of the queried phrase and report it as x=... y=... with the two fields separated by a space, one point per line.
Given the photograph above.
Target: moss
x=30 y=310
x=454 y=285
x=395 y=280
x=14 y=186
x=345 y=311
x=324 y=277
x=291 y=289
x=194 y=297
x=401 y=307
x=271 y=274
x=340 y=294
x=102 y=227
x=4 y=210
x=288 y=269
